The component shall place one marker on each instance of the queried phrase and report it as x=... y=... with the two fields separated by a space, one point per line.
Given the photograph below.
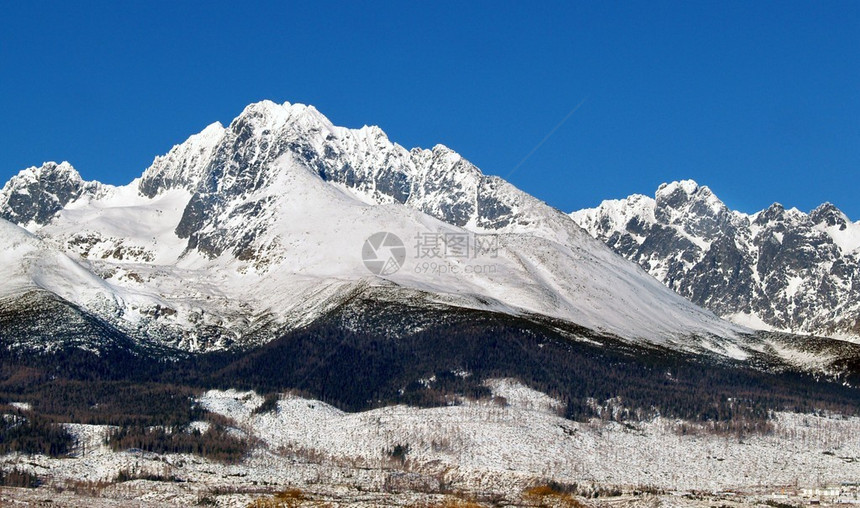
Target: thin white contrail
x=535 y=149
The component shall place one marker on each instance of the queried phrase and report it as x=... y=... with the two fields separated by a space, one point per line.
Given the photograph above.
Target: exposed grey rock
x=37 y=194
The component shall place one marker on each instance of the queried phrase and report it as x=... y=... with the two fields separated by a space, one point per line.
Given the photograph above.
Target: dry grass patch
x=549 y=496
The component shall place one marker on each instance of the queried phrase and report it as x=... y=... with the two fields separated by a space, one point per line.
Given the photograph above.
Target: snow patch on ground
x=750 y=320
x=522 y=397
x=847 y=238
x=801 y=359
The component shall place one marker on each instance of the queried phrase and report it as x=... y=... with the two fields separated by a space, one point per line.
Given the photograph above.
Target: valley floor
x=512 y=451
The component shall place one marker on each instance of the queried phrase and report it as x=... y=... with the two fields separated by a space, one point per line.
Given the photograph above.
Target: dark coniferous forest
x=357 y=368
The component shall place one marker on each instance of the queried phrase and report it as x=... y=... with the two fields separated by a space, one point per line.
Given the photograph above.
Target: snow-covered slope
x=29 y=264
x=776 y=269
x=245 y=230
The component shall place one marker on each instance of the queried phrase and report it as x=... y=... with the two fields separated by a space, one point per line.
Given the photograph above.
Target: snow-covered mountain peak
x=223 y=164
x=441 y=149
x=373 y=131
x=49 y=170
x=262 y=132
x=33 y=196
x=689 y=197
x=775 y=213
x=828 y=215
x=266 y=117
x=688 y=187
x=693 y=209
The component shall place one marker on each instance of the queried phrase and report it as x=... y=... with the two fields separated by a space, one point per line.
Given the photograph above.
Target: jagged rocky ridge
x=775 y=269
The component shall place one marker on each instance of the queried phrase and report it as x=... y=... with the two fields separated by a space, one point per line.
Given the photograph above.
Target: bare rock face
x=35 y=195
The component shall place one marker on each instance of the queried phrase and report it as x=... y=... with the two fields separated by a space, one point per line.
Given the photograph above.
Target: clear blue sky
x=760 y=101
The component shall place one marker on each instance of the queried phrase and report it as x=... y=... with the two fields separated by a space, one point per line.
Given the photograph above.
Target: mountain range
x=777 y=269
x=284 y=295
